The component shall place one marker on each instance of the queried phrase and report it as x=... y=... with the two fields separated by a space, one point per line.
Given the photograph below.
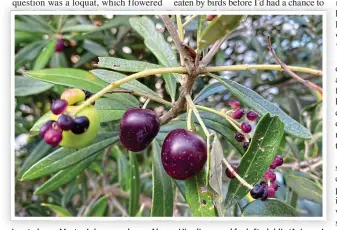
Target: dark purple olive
x=138 y=127
x=60 y=45
x=184 y=154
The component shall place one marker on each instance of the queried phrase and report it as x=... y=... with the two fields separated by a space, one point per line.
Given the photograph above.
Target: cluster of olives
x=183 y=153
x=68 y=130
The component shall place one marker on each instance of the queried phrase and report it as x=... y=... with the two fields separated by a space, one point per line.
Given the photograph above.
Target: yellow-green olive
x=73 y=96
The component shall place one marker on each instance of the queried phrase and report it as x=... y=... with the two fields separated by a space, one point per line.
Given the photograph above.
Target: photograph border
x=139 y=12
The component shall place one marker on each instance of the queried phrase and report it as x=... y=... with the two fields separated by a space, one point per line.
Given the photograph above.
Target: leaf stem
x=189 y=119
x=180 y=28
x=146 y=103
x=226 y=117
x=204 y=128
x=188 y=21
x=196 y=113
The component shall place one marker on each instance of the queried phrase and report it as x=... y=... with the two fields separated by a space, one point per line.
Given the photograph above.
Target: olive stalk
x=183 y=70
x=226 y=117
x=237 y=176
x=188 y=21
x=204 y=128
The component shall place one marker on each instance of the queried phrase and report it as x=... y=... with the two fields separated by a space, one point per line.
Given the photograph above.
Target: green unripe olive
x=72 y=140
x=73 y=96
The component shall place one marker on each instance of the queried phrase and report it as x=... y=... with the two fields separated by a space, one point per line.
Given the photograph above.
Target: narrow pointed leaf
x=262 y=106
x=304 y=187
x=199 y=197
x=123 y=170
x=65 y=157
x=269 y=208
x=110 y=76
x=79 y=28
x=99 y=207
x=95 y=48
x=162 y=190
x=44 y=57
x=69 y=77
x=220 y=27
x=38 y=152
x=208 y=91
x=58 y=210
x=58 y=60
x=157 y=44
x=135 y=185
x=65 y=175
x=215 y=179
x=260 y=154
x=25 y=86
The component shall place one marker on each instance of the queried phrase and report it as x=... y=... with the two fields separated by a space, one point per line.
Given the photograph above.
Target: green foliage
x=259 y=156
x=270 y=207
x=103 y=179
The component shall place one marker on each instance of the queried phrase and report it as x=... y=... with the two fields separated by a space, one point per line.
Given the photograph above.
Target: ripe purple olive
x=60 y=45
x=229 y=174
x=184 y=154
x=59 y=106
x=138 y=127
x=53 y=137
x=44 y=128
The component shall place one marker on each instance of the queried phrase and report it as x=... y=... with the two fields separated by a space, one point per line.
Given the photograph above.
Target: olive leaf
x=260 y=154
x=199 y=197
x=262 y=106
x=162 y=190
x=270 y=208
x=304 y=187
x=215 y=179
x=220 y=27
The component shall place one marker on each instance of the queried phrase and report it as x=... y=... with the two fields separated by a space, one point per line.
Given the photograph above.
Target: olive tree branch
x=215 y=48
x=290 y=72
x=180 y=105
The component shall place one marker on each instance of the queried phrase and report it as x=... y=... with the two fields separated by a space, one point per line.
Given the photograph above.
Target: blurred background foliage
x=297 y=40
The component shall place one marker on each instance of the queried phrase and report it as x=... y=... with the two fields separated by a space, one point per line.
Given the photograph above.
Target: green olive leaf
x=135 y=185
x=199 y=197
x=219 y=27
x=36 y=154
x=260 y=154
x=65 y=175
x=75 y=78
x=99 y=207
x=262 y=106
x=269 y=208
x=134 y=85
x=304 y=187
x=162 y=190
x=45 y=55
x=65 y=157
x=60 y=211
x=157 y=44
x=25 y=86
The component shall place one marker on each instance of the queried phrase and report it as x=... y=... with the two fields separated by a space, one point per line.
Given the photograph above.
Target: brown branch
x=122 y=91
x=215 y=48
x=172 y=29
x=291 y=73
x=187 y=80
